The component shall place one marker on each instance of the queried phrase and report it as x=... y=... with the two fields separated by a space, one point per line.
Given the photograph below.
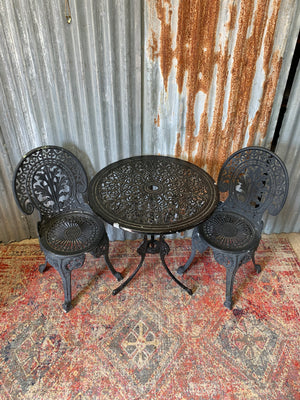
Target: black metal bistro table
x=153 y=196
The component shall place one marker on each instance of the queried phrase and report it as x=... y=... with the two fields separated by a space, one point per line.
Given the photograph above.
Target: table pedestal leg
x=164 y=250
x=142 y=250
x=152 y=246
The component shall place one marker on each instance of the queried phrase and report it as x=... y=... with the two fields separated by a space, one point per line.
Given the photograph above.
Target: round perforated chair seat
x=71 y=233
x=229 y=232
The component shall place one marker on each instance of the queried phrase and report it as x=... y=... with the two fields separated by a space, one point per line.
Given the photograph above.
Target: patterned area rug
x=152 y=341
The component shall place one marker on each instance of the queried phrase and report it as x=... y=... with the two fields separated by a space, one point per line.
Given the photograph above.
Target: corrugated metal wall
x=288 y=149
x=195 y=79
x=76 y=85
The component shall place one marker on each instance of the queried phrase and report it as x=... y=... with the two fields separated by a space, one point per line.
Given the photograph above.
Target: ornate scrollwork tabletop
x=153 y=194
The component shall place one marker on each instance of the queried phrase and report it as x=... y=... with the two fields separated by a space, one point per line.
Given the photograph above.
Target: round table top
x=153 y=194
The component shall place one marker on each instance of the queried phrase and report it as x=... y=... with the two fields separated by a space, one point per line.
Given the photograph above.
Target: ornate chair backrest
x=256 y=181
x=50 y=179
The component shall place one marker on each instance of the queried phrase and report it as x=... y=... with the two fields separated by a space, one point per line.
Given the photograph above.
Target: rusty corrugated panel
x=219 y=64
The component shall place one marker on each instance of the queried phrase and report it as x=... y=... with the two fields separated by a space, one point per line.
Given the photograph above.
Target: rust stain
x=178 y=148
x=272 y=67
x=183 y=41
x=198 y=56
x=193 y=53
x=245 y=54
x=164 y=14
x=233 y=16
x=215 y=140
x=262 y=118
x=157 y=121
x=197 y=24
x=153 y=46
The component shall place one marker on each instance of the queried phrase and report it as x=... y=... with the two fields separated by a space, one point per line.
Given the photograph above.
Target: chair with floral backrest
x=53 y=181
x=256 y=182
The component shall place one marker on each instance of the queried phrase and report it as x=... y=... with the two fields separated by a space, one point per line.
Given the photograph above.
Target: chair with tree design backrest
x=53 y=181
x=256 y=181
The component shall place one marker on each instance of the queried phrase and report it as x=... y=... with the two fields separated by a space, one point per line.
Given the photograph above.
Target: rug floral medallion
x=141 y=346
x=152 y=341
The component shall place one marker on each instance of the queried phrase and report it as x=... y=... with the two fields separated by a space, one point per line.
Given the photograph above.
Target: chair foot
x=181 y=270
x=42 y=267
x=118 y=276
x=257 y=268
x=67 y=306
x=228 y=304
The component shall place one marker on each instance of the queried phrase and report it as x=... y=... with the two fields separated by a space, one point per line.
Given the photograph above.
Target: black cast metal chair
x=52 y=180
x=256 y=181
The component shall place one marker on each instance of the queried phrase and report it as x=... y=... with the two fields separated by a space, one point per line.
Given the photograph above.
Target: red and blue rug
x=152 y=341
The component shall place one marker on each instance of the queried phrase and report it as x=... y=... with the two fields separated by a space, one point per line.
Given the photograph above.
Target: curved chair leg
x=65 y=265
x=103 y=250
x=181 y=270
x=197 y=244
x=65 y=274
x=232 y=263
x=43 y=267
x=230 y=274
x=256 y=266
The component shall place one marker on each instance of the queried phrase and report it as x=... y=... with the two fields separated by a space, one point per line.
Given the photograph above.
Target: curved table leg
x=197 y=244
x=153 y=247
x=164 y=250
x=102 y=249
x=142 y=250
